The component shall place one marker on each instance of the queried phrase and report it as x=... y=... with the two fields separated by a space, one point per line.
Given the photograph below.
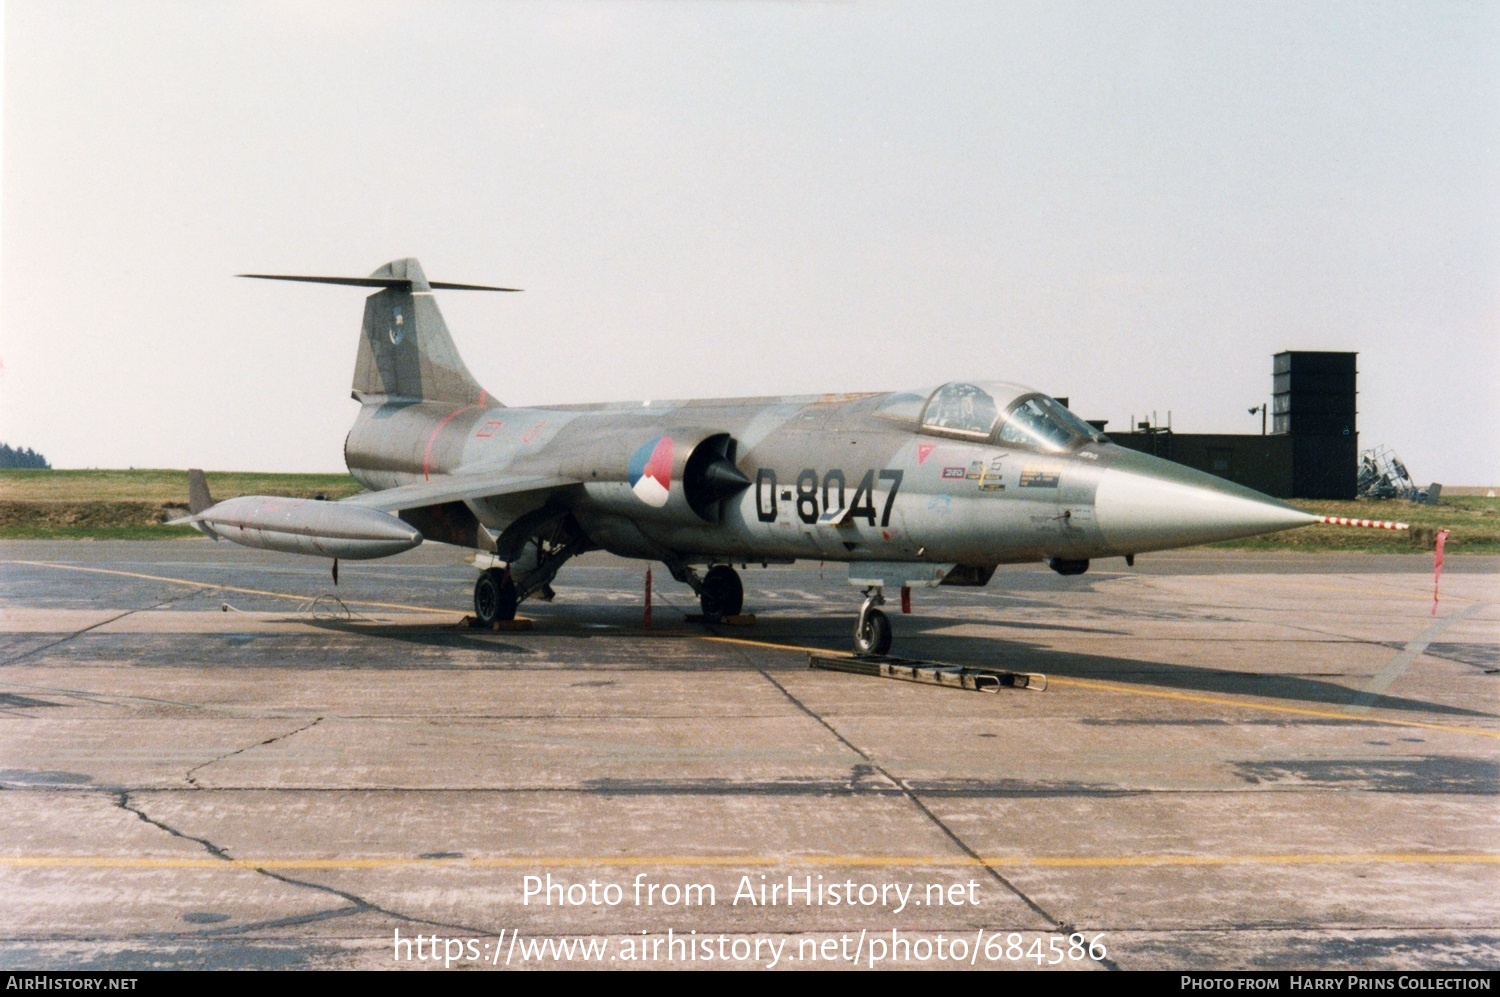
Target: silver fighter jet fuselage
x=912 y=488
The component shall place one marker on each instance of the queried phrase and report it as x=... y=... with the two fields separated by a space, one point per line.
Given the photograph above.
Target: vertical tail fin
x=405 y=352
x=198 y=496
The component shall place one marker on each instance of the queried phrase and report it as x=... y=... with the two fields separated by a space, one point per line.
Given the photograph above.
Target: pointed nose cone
x=1146 y=503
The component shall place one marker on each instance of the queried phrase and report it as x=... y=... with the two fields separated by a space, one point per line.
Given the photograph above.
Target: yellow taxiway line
x=1152 y=692
x=1159 y=693
x=224 y=588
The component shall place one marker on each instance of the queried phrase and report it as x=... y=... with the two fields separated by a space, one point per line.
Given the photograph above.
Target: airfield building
x=1311 y=449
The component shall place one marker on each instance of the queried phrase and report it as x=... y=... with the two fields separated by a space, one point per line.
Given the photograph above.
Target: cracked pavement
x=1239 y=761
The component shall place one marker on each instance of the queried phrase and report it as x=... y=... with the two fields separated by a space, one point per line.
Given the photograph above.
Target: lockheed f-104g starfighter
x=928 y=487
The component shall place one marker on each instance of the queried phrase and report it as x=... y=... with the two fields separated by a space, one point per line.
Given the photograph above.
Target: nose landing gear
x=872 y=630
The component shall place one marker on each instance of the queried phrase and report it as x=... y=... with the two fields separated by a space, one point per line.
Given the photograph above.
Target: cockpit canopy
x=992 y=412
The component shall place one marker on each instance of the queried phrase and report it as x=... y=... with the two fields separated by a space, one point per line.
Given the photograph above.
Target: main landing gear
x=722 y=593
x=872 y=630
x=719 y=590
x=531 y=550
x=494 y=596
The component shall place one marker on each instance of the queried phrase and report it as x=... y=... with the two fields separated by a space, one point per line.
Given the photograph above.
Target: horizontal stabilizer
x=405 y=351
x=390 y=283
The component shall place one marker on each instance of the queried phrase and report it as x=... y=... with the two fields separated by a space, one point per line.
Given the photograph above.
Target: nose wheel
x=494 y=596
x=872 y=631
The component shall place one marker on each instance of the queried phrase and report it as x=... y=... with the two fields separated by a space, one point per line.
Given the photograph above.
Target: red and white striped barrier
x=1374 y=524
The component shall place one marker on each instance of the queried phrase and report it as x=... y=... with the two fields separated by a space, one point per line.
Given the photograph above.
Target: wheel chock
x=519 y=623
x=990 y=680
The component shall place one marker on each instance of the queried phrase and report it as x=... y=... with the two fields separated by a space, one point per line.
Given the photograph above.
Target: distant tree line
x=11 y=457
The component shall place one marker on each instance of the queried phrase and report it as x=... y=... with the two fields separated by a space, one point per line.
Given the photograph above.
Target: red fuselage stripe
x=427 y=454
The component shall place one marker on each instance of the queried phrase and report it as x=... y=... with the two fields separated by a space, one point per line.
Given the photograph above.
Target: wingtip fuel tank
x=307 y=526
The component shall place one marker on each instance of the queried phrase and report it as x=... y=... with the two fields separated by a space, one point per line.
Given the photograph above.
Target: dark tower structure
x=1313 y=402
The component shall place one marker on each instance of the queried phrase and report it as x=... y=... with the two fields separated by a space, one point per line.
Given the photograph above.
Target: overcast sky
x=1131 y=204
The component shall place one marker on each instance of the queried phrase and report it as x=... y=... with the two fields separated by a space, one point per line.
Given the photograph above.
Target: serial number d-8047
x=824 y=498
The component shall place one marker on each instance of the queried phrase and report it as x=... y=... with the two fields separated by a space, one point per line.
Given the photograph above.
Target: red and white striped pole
x=1373 y=524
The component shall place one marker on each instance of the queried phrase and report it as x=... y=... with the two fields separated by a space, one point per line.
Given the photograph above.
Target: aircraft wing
x=456 y=488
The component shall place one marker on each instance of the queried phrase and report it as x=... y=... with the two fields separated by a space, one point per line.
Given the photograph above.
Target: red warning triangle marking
x=924 y=450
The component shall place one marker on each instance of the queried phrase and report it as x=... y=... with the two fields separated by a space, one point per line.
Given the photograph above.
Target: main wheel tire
x=722 y=593
x=494 y=597
x=873 y=636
